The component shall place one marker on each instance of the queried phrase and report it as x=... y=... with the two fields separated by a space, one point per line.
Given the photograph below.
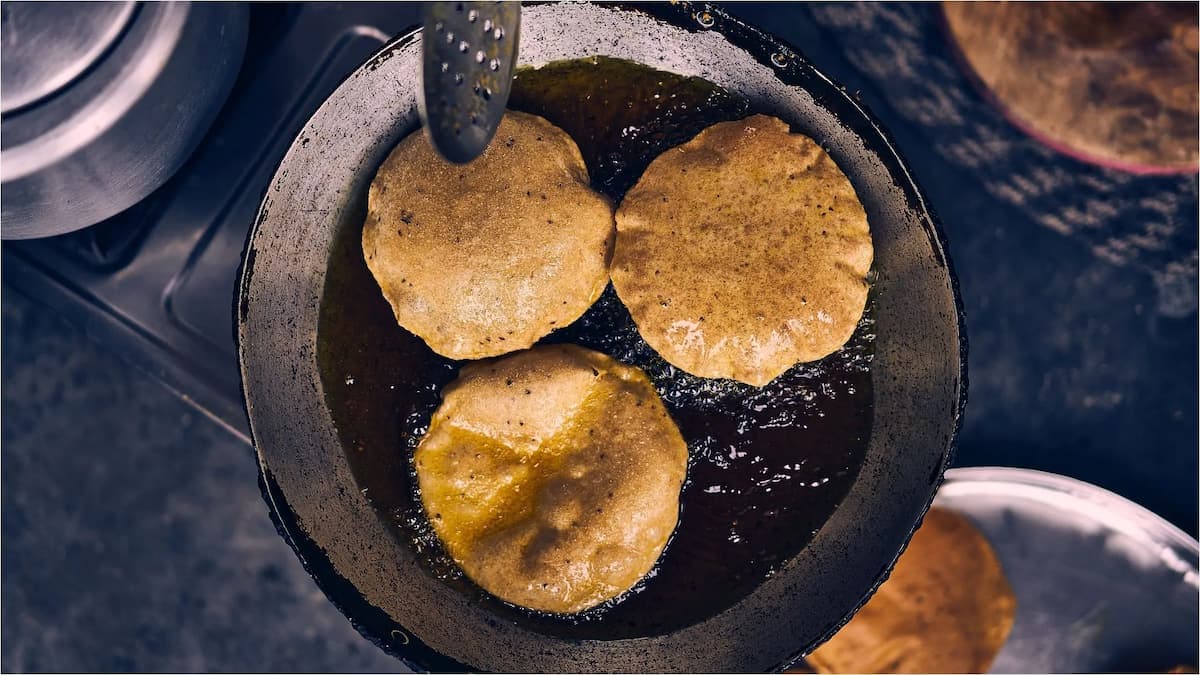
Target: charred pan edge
x=370 y=621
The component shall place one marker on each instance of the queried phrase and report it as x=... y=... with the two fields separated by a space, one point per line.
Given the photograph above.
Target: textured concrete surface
x=1072 y=370
x=134 y=535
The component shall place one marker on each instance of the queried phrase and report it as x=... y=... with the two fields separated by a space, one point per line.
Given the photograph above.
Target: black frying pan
x=380 y=581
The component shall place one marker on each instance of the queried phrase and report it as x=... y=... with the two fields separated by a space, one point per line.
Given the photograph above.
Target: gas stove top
x=1079 y=283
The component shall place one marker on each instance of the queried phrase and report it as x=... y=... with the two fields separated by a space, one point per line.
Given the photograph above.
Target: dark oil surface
x=767 y=465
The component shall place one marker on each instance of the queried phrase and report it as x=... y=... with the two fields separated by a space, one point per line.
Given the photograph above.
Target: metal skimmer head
x=470 y=50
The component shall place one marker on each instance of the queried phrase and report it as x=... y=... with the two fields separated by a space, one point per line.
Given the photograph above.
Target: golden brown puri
x=743 y=252
x=486 y=258
x=552 y=476
x=946 y=608
x=1116 y=81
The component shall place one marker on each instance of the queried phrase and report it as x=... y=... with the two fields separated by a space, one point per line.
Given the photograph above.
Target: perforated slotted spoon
x=470 y=49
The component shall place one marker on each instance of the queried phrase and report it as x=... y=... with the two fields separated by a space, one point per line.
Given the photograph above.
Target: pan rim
x=675 y=14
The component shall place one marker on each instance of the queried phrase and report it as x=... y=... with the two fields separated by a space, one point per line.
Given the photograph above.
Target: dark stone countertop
x=134 y=534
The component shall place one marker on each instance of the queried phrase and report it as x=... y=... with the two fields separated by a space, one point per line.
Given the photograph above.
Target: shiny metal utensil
x=1102 y=584
x=470 y=49
x=103 y=102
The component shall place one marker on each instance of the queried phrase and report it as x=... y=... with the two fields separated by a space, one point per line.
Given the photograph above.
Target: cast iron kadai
x=918 y=370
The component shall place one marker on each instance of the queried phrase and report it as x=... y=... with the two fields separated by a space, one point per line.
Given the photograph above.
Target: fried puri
x=946 y=608
x=552 y=476
x=486 y=258
x=743 y=252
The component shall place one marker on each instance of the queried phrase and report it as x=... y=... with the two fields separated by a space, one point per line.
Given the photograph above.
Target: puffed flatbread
x=552 y=476
x=743 y=252
x=946 y=608
x=486 y=258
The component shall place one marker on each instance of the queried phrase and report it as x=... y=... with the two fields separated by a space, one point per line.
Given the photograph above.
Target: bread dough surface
x=552 y=476
x=743 y=252
x=946 y=608
x=486 y=258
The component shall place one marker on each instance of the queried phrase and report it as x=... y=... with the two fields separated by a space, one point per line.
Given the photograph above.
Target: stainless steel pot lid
x=44 y=46
x=1102 y=584
x=108 y=104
